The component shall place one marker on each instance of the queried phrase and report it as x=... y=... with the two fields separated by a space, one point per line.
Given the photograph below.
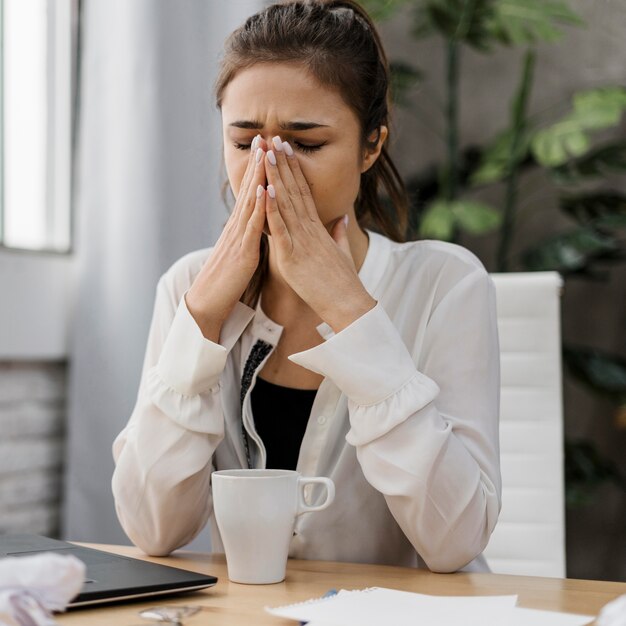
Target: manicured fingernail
x=255 y=141
x=271 y=157
x=271 y=191
x=259 y=191
x=345 y=220
x=278 y=143
x=259 y=155
x=288 y=149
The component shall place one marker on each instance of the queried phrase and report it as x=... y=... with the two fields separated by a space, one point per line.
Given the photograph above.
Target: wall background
x=593 y=314
x=32 y=423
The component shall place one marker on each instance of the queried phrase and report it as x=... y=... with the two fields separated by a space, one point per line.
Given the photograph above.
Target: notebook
x=377 y=605
x=109 y=577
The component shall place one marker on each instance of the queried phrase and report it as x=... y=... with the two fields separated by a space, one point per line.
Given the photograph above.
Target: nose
x=265 y=142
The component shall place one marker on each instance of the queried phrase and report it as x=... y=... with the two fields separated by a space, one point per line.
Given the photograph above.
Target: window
x=36 y=123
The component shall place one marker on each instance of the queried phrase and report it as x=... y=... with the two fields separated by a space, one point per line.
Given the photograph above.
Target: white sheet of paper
x=533 y=617
x=375 y=606
x=379 y=606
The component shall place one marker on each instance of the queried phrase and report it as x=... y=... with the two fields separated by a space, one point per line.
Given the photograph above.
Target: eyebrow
x=255 y=125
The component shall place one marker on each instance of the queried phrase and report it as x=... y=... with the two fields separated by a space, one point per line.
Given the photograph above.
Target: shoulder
x=433 y=251
x=437 y=257
x=424 y=273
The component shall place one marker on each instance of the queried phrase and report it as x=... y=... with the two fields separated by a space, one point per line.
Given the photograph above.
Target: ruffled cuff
x=191 y=364
x=367 y=360
x=370 y=363
x=372 y=422
x=193 y=412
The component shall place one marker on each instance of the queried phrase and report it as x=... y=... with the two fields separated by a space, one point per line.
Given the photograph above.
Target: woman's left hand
x=317 y=265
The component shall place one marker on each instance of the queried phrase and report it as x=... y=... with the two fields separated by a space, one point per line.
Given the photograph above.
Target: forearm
x=446 y=503
x=163 y=457
x=156 y=518
x=162 y=474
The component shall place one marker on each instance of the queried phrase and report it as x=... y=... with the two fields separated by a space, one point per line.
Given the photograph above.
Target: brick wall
x=32 y=424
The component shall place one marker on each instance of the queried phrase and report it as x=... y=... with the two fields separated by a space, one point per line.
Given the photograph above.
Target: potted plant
x=565 y=148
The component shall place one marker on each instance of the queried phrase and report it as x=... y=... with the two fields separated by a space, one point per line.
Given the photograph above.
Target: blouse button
x=321 y=420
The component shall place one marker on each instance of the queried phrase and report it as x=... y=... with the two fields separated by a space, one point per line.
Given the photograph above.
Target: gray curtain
x=146 y=191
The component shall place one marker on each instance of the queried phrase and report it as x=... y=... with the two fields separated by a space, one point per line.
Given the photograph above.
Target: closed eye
x=303 y=147
x=306 y=148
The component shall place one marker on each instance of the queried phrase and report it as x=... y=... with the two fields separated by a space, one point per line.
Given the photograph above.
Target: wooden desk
x=232 y=604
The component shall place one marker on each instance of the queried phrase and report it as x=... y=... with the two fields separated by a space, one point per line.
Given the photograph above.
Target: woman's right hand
x=235 y=257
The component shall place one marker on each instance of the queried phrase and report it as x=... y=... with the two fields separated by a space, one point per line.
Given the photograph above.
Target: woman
x=304 y=340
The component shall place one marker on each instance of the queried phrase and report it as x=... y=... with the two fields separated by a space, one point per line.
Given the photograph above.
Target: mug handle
x=303 y=481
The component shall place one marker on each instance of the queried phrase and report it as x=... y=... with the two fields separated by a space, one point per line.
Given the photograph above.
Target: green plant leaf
x=495 y=162
x=522 y=22
x=601 y=161
x=441 y=218
x=572 y=251
x=600 y=108
x=559 y=143
x=602 y=209
x=404 y=77
x=585 y=470
x=601 y=372
x=569 y=138
x=438 y=221
x=461 y=20
x=476 y=218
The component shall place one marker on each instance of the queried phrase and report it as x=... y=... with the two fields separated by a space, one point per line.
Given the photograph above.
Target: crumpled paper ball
x=613 y=613
x=32 y=587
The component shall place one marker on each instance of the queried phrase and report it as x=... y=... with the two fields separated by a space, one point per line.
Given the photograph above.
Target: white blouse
x=405 y=421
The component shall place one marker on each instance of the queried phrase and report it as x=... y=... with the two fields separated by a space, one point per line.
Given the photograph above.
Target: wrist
x=209 y=325
x=346 y=312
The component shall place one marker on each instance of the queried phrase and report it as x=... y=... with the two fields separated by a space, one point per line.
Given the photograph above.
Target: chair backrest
x=529 y=538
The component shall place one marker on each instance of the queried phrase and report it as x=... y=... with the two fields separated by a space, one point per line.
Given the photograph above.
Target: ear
x=372 y=154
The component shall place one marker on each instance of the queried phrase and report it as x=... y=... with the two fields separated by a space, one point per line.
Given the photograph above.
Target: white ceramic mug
x=256 y=512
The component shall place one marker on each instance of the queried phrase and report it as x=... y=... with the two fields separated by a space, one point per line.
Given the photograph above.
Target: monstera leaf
x=475 y=218
x=592 y=110
x=441 y=218
x=521 y=22
x=603 y=160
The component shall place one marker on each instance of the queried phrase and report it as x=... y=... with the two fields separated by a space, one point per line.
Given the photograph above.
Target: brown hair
x=338 y=43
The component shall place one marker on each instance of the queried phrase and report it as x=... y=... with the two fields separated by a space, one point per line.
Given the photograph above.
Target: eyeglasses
x=171 y=615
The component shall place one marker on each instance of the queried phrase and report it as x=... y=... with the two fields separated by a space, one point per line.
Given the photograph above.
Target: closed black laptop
x=110 y=578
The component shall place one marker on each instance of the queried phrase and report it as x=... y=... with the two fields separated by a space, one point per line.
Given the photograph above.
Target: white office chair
x=529 y=538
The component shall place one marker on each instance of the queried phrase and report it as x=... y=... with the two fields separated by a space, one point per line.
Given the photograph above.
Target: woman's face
x=286 y=100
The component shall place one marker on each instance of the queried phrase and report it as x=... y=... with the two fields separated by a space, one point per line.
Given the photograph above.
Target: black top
x=280 y=417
